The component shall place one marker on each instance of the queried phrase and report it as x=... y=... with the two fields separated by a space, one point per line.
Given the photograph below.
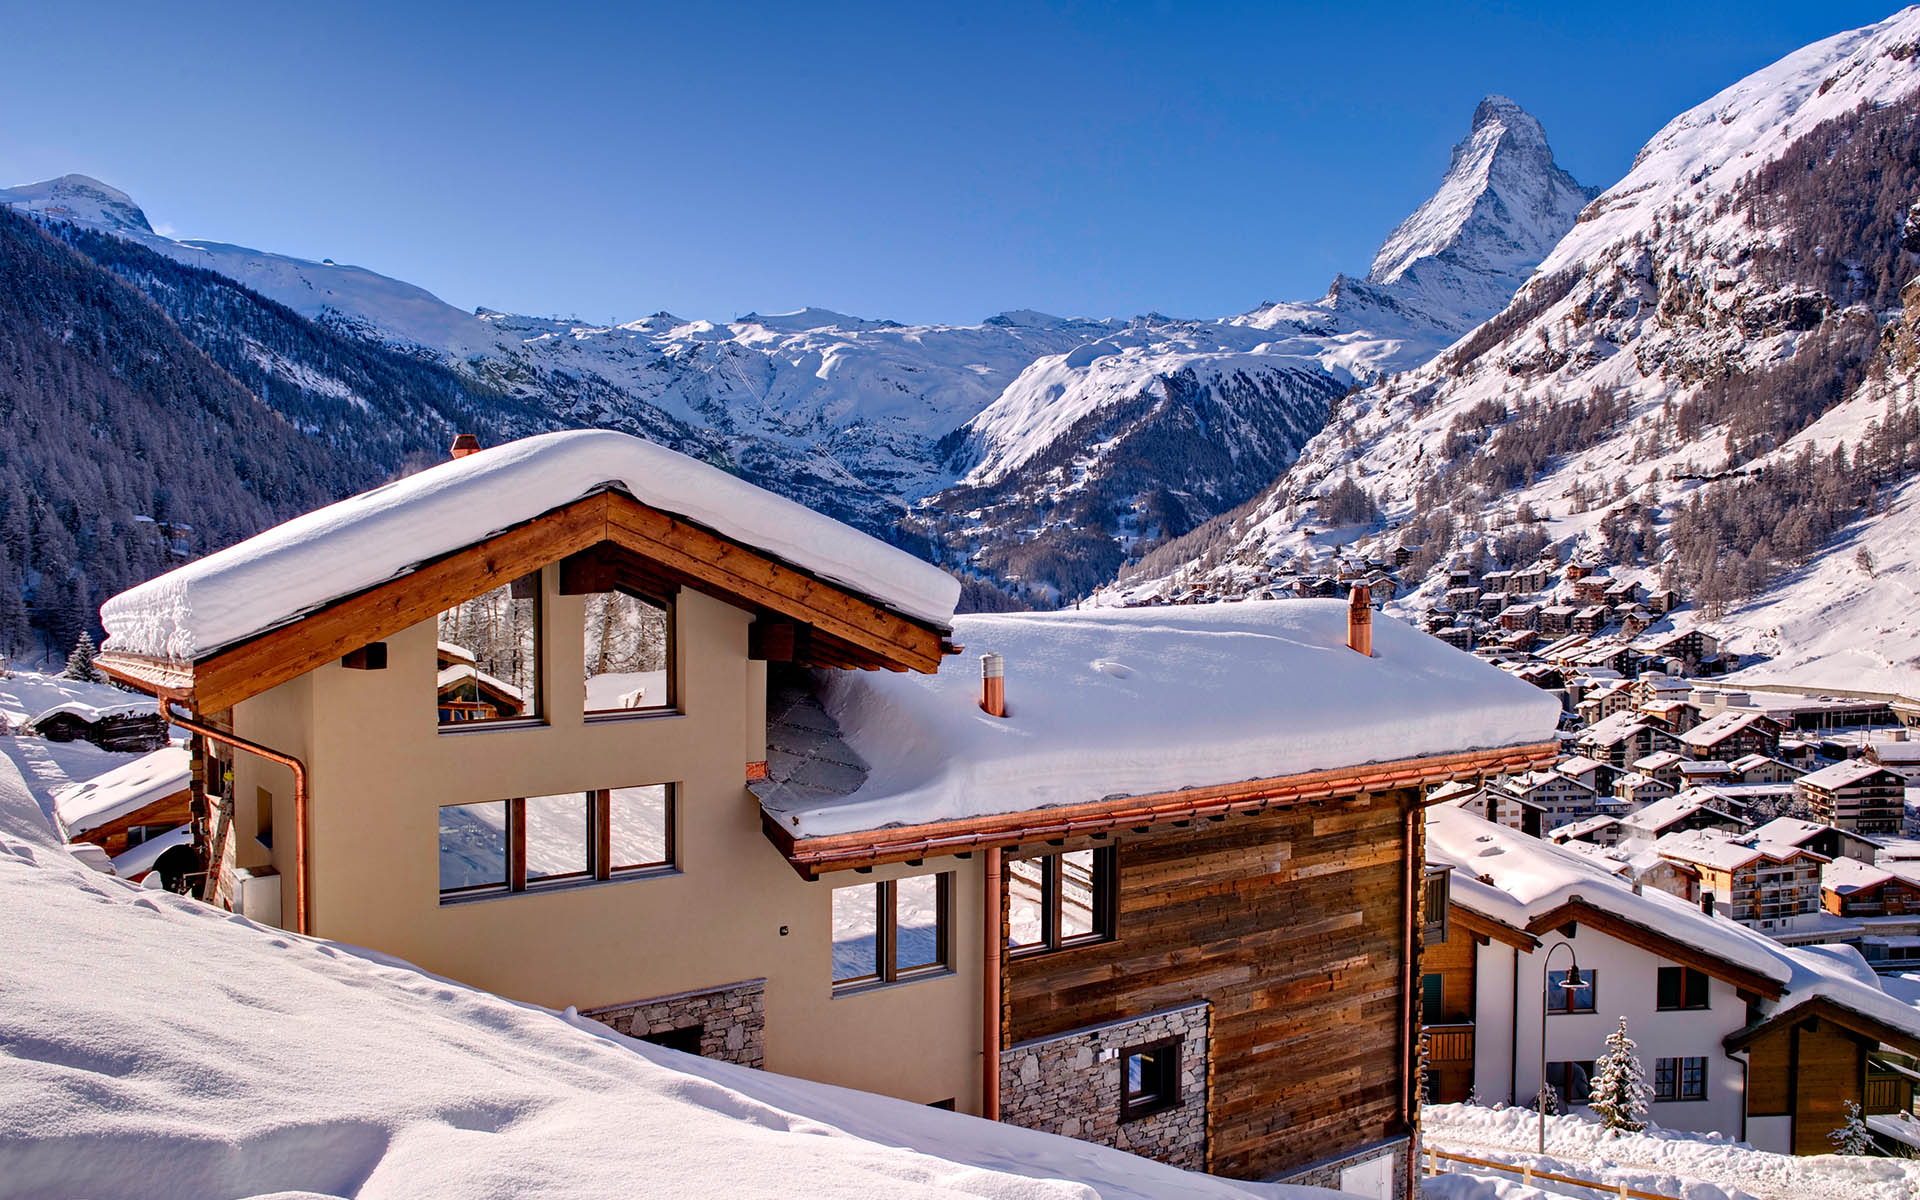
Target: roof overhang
x=867 y=848
x=1576 y=910
x=1825 y=1008
x=617 y=539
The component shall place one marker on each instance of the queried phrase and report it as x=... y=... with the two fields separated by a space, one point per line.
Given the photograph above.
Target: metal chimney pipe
x=993 y=685
x=1360 y=619
x=465 y=444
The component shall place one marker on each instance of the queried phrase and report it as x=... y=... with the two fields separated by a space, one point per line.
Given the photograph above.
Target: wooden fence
x=1529 y=1174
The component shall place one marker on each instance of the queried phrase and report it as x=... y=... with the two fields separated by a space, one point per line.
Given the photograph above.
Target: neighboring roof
x=133 y=863
x=94 y=712
x=122 y=791
x=1905 y=753
x=1717 y=729
x=1845 y=876
x=1581 y=828
x=1704 y=767
x=1117 y=703
x=303 y=564
x=463 y=671
x=1704 y=848
x=1578 y=764
x=1658 y=760
x=1616 y=728
x=1671 y=809
x=1799 y=832
x=1753 y=762
x=1844 y=774
x=313 y=1067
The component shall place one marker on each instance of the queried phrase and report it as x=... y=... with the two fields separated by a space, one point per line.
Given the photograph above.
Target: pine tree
x=1853 y=1137
x=1619 y=1093
x=80 y=662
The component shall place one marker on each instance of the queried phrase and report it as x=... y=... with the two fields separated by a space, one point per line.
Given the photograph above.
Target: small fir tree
x=80 y=662
x=1853 y=1137
x=1619 y=1095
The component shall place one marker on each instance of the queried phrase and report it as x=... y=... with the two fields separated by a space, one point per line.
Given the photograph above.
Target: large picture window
x=531 y=842
x=891 y=931
x=1060 y=900
x=489 y=656
x=629 y=654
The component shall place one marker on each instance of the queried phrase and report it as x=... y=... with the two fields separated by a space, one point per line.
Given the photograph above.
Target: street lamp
x=1547 y=982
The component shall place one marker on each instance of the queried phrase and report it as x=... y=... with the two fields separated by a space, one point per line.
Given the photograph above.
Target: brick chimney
x=1360 y=619
x=993 y=685
x=465 y=444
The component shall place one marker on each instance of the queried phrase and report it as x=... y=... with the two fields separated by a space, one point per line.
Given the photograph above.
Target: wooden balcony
x=1448 y=1044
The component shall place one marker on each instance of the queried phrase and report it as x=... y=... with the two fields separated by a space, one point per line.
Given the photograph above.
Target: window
x=629 y=654
x=263 y=816
x=1151 y=1082
x=1060 y=900
x=1682 y=987
x=1564 y=999
x=489 y=656
x=543 y=841
x=1432 y=988
x=892 y=931
x=1680 y=1079
x=686 y=1039
x=1571 y=1081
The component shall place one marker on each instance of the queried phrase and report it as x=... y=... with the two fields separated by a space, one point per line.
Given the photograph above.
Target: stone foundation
x=1070 y=1084
x=1357 y=1173
x=732 y=1020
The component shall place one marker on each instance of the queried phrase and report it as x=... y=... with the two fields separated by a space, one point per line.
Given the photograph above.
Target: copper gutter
x=994 y=945
x=299 y=770
x=810 y=856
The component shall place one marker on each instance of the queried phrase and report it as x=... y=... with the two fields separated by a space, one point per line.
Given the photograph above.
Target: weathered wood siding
x=1830 y=1069
x=1290 y=923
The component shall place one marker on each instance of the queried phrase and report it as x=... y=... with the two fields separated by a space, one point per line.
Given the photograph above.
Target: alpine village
x=1457 y=736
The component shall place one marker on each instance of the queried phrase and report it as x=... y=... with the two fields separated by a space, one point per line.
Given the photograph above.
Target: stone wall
x=1364 y=1173
x=732 y=1020
x=1070 y=1084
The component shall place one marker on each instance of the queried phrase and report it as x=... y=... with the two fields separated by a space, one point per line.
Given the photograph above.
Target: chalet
x=1558 y=798
x=1598 y=831
x=1596 y=776
x=744 y=810
x=1622 y=738
x=1674 y=716
x=1612 y=653
x=1458 y=636
x=1690 y=646
x=1850 y=887
x=1622 y=593
x=1663 y=600
x=1821 y=839
x=1604 y=700
x=125 y=728
x=1703 y=773
x=1663 y=765
x=1758 y=883
x=1899 y=755
x=1592 y=619
x=1463 y=599
x=1636 y=789
x=1712 y=1005
x=1657 y=687
x=1557 y=619
x=1695 y=809
x=1491 y=604
x=1758 y=768
x=1857 y=795
x=1591 y=591
x=1517 y=617
x=1732 y=735
x=1518 y=640
x=1496 y=580
x=132 y=813
x=1533 y=578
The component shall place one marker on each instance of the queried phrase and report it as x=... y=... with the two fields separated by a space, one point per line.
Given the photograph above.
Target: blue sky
x=915 y=162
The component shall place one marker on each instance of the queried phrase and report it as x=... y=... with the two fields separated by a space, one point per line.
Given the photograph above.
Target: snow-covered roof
x=1722 y=853
x=1904 y=753
x=1657 y=761
x=461 y=671
x=138 y=860
x=1718 y=728
x=1616 y=728
x=1578 y=764
x=1703 y=767
x=123 y=790
x=319 y=1068
x=90 y=713
x=333 y=552
x=1118 y=702
x=1842 y=774
x=1848 y=875
x=1664 y=812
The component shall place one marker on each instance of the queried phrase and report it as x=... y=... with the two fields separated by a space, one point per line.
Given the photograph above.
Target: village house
x=1821 y=839
x=1622 y=738
x=1850 y=887
x=1554 y=797
x=1858 y=795
x=748 y=809
x=1696 y=808
x=134 y=813
x=1737 y=1034
x=1518 y=618
x=1594 y=775
x=1639 y=790
x=1898 y=754
x=1758 y=768
x=1762 y=884
x=1663 y=765
x=1732 y=735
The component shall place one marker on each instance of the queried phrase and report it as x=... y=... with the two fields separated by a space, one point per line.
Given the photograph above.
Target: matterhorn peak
x=1502 y=205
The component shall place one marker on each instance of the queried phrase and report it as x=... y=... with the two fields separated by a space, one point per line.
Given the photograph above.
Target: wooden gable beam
x=291 y=651
x=1488 y=929
x=708 y=558
x=1613 y=925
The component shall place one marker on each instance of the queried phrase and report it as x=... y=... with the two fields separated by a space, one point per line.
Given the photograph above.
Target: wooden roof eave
x=1490 y=927
x=713 y=563
x=866 y=848
x=1577 y=910
x=1824 y=1008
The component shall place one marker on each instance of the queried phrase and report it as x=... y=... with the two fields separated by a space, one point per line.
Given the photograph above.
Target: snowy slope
x=1667 y=285
x=159 y=1048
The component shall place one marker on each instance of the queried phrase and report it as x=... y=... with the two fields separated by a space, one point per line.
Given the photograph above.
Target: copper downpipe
x=299 y=769
x=993 y=946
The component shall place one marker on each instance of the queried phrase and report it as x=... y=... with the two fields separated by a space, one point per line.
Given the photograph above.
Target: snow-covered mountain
x=1669 y=388
x=1152 y=424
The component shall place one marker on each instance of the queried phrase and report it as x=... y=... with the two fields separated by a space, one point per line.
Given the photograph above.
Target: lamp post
x=1547 y=982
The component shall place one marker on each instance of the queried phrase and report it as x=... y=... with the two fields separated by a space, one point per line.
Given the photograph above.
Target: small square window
x=1680 y=1079
x=1681 y=988
x=891 y=931
x=1150 y=1080
x=473 y=846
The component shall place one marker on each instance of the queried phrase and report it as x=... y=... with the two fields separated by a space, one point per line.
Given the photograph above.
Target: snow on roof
x=137 y=861
x=1579 y=764
x=1790 y=829
x=90 y=712
x=1708 y=849
x=1616 y=728
x=456 y=652
x=365 y=540
x=1849 y=875
x=123 y=790
x=1664 y=812
x=1658 y=760
x=319 y=1068
x=1704 y=767
x=1106 y=702
x=1906 y=753
x=1842 y=774
x=459 y=671
x=1721 y=727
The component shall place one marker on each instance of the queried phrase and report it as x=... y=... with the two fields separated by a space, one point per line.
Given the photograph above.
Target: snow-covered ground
x=156 y=1047
x=1692 y=1166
